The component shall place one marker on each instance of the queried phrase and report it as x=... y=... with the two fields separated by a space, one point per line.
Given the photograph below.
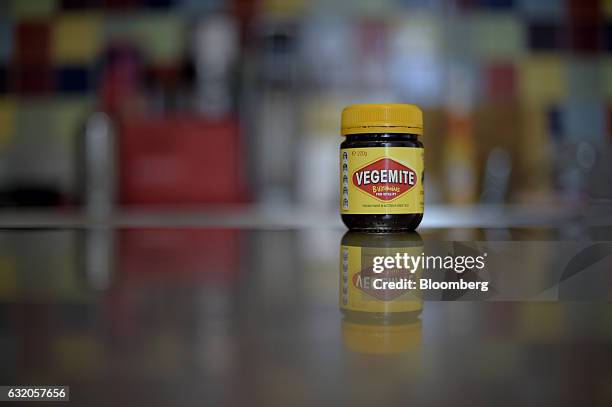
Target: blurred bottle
x=272 y=108
x=215 y=53
x=120 y=97
x=327 y=71
x=96 y=166
x=497 y=177
x=378 y=321
x=460 y=148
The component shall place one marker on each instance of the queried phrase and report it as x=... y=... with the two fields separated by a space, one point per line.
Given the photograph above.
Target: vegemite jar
x=381 y=167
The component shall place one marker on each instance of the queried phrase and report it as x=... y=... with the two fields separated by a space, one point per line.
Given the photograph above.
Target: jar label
x=381 y=180
x=360 y=286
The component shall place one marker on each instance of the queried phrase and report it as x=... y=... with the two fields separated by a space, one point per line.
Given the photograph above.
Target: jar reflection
x=377 y=320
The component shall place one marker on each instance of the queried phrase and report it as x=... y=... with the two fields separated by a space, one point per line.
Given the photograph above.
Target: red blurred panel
x=180 y=254
x=33 y=43
x=181 y=160
x=585 y=36
x=121 y=4
x=31 y=80
x=500 y=82
x=584 y=9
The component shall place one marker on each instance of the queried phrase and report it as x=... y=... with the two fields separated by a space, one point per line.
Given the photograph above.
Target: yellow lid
x=382 y=118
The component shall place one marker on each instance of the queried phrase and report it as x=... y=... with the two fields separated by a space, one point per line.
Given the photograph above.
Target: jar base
x=374 y=223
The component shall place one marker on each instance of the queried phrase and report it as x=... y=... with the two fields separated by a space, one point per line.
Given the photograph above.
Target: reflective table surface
x=230 y=316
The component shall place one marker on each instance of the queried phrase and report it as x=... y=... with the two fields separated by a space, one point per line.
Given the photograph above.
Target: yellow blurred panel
x=7 y=121
x=76 y=38
x=291 y=7
x=70 y=114
x=497 y=36
x=8 y=278
x=33 y=8
x=160 y=35
x=542 y=80
x=607 y=8
x=606 y=77
x=534 y=158
x=541 y=322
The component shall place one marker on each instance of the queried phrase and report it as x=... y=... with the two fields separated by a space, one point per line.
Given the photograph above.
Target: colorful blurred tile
x=7 y=120
x=545 y=36
x=585 y=79
x=33 y=44
x=121 y=4
x=589 y=10
x=77 y=38
x=500 y=81
x=292 y=7
x=80 y=4
x=31 y=80
x=607 y=36
x=69 y=114
x=73 y=79
x=159 y=3
x=606 y=8
x=542 y=8
x=34 y=122
x=502 y=5
x=33 y=8
x=200 y=6
x=606 y=76
x=584 y=121
x=555 y=123
x=585 y=36
x=542 y=80
x=160 y=36
x=4 y=79
x=6 y=39
x=497 y=36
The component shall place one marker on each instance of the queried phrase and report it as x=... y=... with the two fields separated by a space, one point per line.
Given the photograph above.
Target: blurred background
x=112 y=105
x=183 y=102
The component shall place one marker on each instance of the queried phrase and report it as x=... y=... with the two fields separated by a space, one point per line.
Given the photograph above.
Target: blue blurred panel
x=545 y=36
x=584 y=121
x=159 y=3
x=73 y=79
x=497 y=4
x=6 y=38
x=607 y=34
x=80 y=4
x=542 y=8
x=434 y=4
x=555 y=123
x=200 y=6
x=3 y=79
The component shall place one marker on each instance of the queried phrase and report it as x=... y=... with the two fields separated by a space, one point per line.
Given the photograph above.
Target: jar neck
x=383 y=136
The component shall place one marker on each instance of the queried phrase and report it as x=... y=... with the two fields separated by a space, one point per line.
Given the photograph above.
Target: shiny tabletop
x=250 y=315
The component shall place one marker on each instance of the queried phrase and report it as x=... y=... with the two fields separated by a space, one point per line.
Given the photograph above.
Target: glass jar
x=381 y=168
